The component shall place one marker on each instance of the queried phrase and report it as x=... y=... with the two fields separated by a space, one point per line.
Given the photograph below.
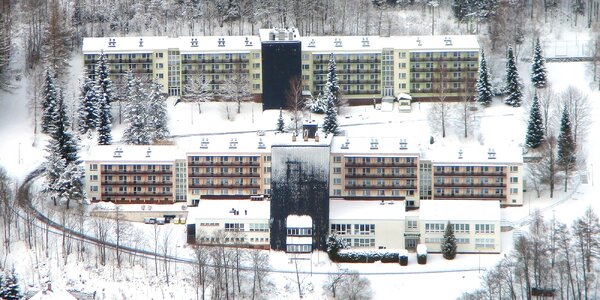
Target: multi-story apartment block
x=132 y=174
x=476 y=173
x=357 y=169
x=429 y=68
x=374 y=168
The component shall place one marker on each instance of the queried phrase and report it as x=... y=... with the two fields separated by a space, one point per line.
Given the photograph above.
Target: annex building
x=427 y=68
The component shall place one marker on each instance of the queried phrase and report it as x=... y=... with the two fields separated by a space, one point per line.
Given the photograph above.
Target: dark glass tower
x=281 y=61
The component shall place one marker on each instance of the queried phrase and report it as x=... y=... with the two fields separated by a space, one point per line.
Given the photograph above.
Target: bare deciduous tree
x=295 y=103
x=199 y=90
x=580 y=112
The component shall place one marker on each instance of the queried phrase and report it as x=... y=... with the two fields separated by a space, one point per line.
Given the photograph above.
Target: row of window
x=224 y=158
x=378 y=182
x=353 y=229
x=352 y=192
x=299 y=231
x=229 y=191
x=459 y=228
x=468 y=169
x=133 y=178
x=292 y=248
x=134 y=168
x=134 y=189
x=441 y=240
x=224 y=181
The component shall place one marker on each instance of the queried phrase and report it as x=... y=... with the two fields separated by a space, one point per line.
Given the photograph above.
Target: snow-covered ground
x=499 y=125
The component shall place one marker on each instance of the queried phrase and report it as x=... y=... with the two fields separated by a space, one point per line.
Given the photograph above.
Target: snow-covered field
x=499 y=126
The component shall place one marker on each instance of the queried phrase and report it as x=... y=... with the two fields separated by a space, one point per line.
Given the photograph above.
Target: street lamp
x=433 y=5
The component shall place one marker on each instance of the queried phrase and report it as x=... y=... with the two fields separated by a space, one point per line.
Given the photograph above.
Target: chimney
x=460 y=154
x=491 y=153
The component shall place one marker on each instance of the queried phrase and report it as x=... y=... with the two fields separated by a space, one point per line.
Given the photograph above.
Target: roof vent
x=148 y=152
x=261 y=144
x=419 y=41
x=447 y=41
x=221 y=42
x=491 y=154
x=337 y=42
x=365 y=42
x=204 y=143
x=111 y=42
x=460 y=154
x=118 y=152
x=403 y=144
x=311 y=43
x=233 y=143
x=194 y=42
x=346 y=144
x=248 y=42
x=374 y=144
x=141 y=42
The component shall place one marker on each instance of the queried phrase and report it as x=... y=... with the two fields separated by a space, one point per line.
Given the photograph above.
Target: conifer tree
x=484 y=87
x=566 y=145
x=535 y=128
x=61 y=133
x=332 y=81
x=55 y=167
x=513 y=82
x=449 y=243
x=9 y=287
x=105 y=121
x=157 y=122
x=280 y=124
x=49 y=101
x=330 y=122
x=88 y=107
x=135 y=113
x=538 y=67
x=103 y=79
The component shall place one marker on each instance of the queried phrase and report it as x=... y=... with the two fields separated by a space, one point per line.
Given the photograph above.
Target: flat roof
x=367 y=146
x=126 y=154
x=185 y=44
x=366 y=210
x=303 y=221
x=459 y=210
x=224 y=210
x=474 y=155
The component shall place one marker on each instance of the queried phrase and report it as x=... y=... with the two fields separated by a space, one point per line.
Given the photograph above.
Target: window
x=234 y=226
x=256 y=66
x=484 y=243
x=93 y=167
x=514 y=191
x=305 y=67
x=363 y=243
x=256 y=86
x=341 y=229
x=337 y=192
x=461 y=228
x=298 y=248
x=299 y=231
x=93 y=177
x=160 y=75
x=158 y=55
x=337 y=159
x=411 y=224
x=514 y=169
x=337 y=181
x=484 y=228
x=514 y=180
x=434 y=227
x=93 y=188
x=337 y=170
x=159 y=65
x=256 y=76
x=364 y=229
x=256 y=55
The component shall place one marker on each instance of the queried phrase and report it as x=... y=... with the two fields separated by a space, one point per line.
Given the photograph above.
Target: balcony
x=130 y=193
x=224 y=186
x=357 y=164
x=223 y=163
x=469 y=173
x=137 y=182
x=465 y=184
x=376 y=186
x=462 y=196
x=129 y=171
x=216 y=61
x=218 y=174
x=384 y=175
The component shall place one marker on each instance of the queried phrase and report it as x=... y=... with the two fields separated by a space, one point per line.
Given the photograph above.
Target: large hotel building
x=368 y=67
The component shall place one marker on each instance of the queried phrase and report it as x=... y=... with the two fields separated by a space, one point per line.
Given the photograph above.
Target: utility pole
x=433 y=5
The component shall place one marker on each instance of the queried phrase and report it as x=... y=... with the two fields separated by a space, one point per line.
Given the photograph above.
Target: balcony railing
x=130 y=171
x=384 y=175
x=376 y=186
x=223 y=163
x=228 y=186
x=468 y=173
x=130 y=193
x=463 y=196
x=218 y=174
x=357 y=164
x=138 y=182
x=465 y=184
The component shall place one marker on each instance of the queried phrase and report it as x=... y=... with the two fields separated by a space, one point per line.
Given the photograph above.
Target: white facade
x=476 y=224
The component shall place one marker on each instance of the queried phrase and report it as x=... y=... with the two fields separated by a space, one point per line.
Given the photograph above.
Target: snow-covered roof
x=374 y=145
x=224 y=210
x=230 y=144
x=459 y=210
x=125 y=154
x=366 y=210
x=433 y=43
x=185 y=44
x=342 y=44
x=53 y=294
x=474 y=155
x=297 y=221
x=278 y=34
x=126 y=44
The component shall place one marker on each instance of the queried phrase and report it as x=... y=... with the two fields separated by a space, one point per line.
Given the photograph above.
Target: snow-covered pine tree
x=513 y=82
x=49 y=101
x=332 y=81
x=61 y=133
x=136 y=115
x=318 y=105
x=55 y=167
x=70 y=185
x=157 y=122
x=566 y=145
x=9 y=289
x=460 y=9
x=448 y=245
x=484 y=87
x=103 y=79
x=538 y=67
x=88 y=107
x=280 y=124
x=105 y=121
x=330 y=122
x=535 y=127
